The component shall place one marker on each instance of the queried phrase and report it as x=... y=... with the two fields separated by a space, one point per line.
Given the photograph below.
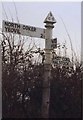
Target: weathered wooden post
x=50 y=20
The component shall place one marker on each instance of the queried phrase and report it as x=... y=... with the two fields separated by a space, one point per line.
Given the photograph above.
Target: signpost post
x=49 y=45
x=50 y=20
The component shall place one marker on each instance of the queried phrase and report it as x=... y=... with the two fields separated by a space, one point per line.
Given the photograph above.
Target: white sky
x=34 y=14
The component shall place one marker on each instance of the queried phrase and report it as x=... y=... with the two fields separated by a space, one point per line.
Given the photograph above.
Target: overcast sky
x=34 y=14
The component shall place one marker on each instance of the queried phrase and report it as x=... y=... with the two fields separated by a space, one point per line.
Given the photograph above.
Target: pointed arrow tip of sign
x=50 y=18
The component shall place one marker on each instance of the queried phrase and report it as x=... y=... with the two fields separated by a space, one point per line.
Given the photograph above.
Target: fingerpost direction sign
x=25 y=30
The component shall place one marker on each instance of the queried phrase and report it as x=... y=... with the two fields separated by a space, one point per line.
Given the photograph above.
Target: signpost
x=50 y=43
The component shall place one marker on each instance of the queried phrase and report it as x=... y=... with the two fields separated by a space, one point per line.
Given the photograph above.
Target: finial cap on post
x=50 y=18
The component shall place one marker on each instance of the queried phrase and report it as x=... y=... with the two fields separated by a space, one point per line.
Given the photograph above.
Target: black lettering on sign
x=17 y=25
x=13 y=25
x=23 y=27
x=41 y=36
x=6 y=29
x=7 y=23
x=33 y=29
x=12 y=30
